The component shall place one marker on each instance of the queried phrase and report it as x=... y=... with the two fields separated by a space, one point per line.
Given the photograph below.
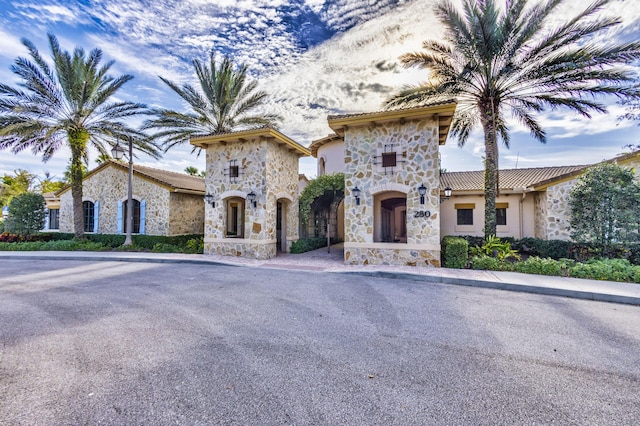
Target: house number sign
x=422 y=213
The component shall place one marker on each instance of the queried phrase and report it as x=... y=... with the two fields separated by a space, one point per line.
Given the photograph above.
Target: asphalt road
x=142 y=343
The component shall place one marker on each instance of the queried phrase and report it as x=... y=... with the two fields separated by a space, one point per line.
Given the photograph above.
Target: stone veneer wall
x=110 y=186
x=419 y=140
x=270 y=172
x=186 y=215
x=282 y=184
x=552 y=207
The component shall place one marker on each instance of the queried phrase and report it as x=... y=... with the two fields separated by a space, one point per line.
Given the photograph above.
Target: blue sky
x=314 y=58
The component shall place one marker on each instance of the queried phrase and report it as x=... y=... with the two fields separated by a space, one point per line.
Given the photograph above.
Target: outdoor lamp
x=447 y=194
x=252 y=198
x=209 y=199
x=422 y=190
x=117 y=152
x=356 y=193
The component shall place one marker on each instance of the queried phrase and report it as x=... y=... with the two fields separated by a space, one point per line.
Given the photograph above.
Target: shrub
x=195 y=246
x=26 y=214
x=541 y=266
x=455 y=252
x=606 y=269
x=165 y=248
x=490 y=263
x=308 y=244
x=493 y=246
x=61 y=245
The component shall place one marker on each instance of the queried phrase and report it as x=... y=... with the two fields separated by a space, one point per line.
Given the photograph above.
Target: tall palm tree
x=67 y=105
x=225 y=102
x=496 y=60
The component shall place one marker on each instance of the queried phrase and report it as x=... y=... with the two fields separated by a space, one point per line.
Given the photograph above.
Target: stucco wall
x=109 y=186
x=333 y=155
x=520 y=213
x=418 y=141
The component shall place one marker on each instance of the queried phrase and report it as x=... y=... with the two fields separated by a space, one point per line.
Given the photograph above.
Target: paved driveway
x=142 y=343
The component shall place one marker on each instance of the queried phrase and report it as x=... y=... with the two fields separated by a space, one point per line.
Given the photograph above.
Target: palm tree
x=67 y=105
x=509 y=59
x=225 y=102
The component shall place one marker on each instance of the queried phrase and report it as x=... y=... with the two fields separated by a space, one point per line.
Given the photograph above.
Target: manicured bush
x=26 y=214
x=606 y=269
x=165 y=248
x=308 y=244
x=195 y=246
x=540 y=266
x=490 y=263
x=455 y=252
x=61 y=245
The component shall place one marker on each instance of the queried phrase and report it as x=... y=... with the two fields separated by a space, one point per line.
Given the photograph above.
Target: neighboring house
x=52 y=217
x=164 y=203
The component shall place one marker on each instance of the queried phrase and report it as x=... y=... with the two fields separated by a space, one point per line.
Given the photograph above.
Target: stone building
x=252 y=190
x=164 y=203
x=392 y=184
x=391 y=157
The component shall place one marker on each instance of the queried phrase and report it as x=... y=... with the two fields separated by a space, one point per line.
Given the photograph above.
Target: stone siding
x=110 y=186
x=268 y=170
x=187 y=214
x=416 y=143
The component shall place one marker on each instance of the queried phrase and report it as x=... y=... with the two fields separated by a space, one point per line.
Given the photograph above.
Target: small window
x=388 y=159
x=89 y=212
x=465 y=216
x=501 y=216
x=234 y=171
x=54 y=218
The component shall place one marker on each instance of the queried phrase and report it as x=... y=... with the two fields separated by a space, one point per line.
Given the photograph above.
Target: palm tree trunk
x=490 y=172
x=77 y=142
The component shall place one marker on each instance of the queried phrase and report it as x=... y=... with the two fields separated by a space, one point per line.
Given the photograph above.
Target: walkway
x=321 y=261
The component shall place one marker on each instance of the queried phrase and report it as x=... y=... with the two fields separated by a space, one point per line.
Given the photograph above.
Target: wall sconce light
x=422 y=190
x=252 y=199
x=209 y=200
x=356 y=193
x=447 y=194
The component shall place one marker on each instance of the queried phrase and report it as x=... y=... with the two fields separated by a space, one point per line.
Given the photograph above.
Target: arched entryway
x=390 y=217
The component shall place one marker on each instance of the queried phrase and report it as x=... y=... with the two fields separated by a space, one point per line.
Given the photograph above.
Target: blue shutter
x=119 y=223
x=46 y=219
x=143 y=215
x=96 y=216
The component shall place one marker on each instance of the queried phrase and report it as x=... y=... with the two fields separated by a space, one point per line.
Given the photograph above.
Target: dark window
x=88 y=210
x=501 y=216
x=54 y=218
x=465 y=216
x=388 y=159
x=136 y=216
x=234 y=171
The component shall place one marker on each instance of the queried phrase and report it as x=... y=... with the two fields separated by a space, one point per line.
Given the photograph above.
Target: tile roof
x=507 y=178
x=411 y=108
x=177 y=182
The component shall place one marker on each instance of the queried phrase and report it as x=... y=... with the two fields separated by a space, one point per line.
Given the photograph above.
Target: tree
x=26 y=214
x=67 y=105
x=508 y=59
x=319 y=196
x=605 y=206
x=193 y=171
x=49 y=185
x=11 y=186
x=225 y=102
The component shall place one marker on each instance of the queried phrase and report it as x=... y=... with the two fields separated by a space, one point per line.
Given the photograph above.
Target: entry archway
x=390 y=217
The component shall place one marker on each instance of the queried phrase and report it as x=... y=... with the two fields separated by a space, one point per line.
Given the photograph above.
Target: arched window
x=136 y=216
x=390 y=217
x=234 y=211
x=88 y=211
x=323 y=166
